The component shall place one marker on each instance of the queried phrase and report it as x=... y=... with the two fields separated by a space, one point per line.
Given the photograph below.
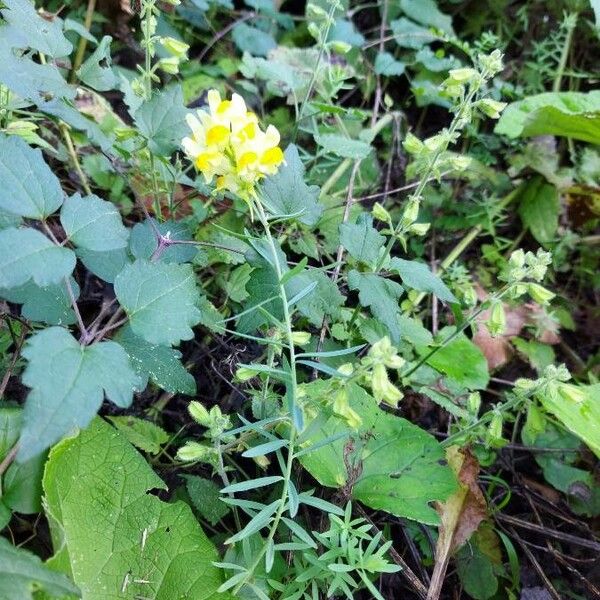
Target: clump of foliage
x=283 y=292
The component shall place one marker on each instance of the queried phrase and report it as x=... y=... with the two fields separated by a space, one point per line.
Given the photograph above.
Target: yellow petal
x=216 y=134
x=272 y=157
x=203 y=161
x=247 y=159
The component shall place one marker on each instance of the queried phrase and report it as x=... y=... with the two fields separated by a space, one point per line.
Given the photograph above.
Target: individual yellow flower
x=228 y=144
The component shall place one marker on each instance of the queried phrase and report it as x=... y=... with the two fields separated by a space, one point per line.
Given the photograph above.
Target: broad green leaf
x=253 y=40
x=285 y=193
x=31 y=80
x=68 y=382
x=418 y=276
x=10 y=426
x=143 y=241
x=400 y=467
x=206 y=498
x=324 y=300
x=343 y=30
x=427 y=13
x=143 y=434
x=410 y=35
x=362 y=240
x=93 y=224
x=22 y=573
x=96 y=71
x=539 y=209
x=27 y=254
x=161 y=120
x=386 y=64
x=161 y=364
x=578 y=409
x=110 y=533
x=381 y=297
x=51 y=305
x=22 y=485
x=26 y=28
x=9 y=220
x=343 y=146
x=160 y=300
x=106 y=265
x=29 y=188
x=568 y=114
x=462 y=361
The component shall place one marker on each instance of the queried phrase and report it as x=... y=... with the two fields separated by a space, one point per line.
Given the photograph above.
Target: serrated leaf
x=253 y=40
x=96 y=71
x=401 y=467
x=410 y=35
x=31 y=80
x=29 y=188
x=22 y=573
x=51 y=305
x=93 y=223
x=386 y=64
x=418 y=276
x=161 y=120
x=27 y=254
x=362 y=240
x=160 y=300
x=106 y=265
x=106 y=525
x=206 y=498
x=462 y=361
x=285 y=193
x=26 y=28
x=381 y=297
x=426 y=12
x=161 y=364
x=324 y=300
x=143 y=241
x=343 y=146
x=68 y=383
x=539 y=209
x=143 y=434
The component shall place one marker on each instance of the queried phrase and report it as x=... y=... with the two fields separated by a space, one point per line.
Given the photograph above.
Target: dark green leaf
x=539 y=209
x=96 y=71
x=143 y=434
x=206 y=498
x=418 y=276
x=362 y=240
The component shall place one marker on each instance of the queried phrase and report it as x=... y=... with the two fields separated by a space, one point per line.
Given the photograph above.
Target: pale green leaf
x=26 y=28
x=143 y=241
x=27 y=254
x=22 y=573
x=568 y=114
x=93 y=224
x=343 y=146
x=410 y=35
x=362 y=240
x=96 y=71
x=418 y=276
x=427 y=13
x=381 y=297
x=117 y=539
x=106 y=265
x=51 y=305
x=161 y=120
x=143 y=434
x=160 y=300
x=285 y=193
x=29 y=188
x=253 y=40
x=161 y=364
x=68 y=382
x=400 y=468
x=386 y=64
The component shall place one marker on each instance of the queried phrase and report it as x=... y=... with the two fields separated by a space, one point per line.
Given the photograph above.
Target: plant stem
x=287 y=475
x=571 y=24
x=89 y=15
x=73 y=154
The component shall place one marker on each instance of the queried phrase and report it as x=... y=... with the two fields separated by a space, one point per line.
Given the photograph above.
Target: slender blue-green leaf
x=323 y=367
x=302 y=293
x=325 y=442
x=320 y=504
x=267 y=448
x=299 y=532
x=251 y=484
x=259 y=521
x=331 y=353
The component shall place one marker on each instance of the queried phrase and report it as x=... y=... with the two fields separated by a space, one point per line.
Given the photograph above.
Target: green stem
x=287 y=475
x=89 y=15
x=571 y=24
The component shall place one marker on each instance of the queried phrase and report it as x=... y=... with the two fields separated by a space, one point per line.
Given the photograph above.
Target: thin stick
x=73 y=154
x=9 y=458
x=89 y=15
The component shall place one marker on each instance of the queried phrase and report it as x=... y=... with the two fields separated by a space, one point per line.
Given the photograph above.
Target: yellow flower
x=228 y=144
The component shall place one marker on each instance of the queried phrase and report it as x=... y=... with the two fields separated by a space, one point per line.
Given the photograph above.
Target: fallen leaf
x=460 y=515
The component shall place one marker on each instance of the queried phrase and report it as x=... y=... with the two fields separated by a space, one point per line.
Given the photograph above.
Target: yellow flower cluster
x=228 y=143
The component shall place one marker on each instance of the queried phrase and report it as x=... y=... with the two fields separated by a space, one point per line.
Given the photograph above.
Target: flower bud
x=419 y=228
x=411 y=212
x=341 y=407
x=494 y=432
x=380 y=213
x=169 y=65
x=175 y=47
x=539 y=293
x=383 y=389
x=301 y=338
x=491 y=108
x=412 y=144
x=474 y=403
x=199 y=413
x=340 y=47
x=497 y=321
x=193 y=451
x=463 y=75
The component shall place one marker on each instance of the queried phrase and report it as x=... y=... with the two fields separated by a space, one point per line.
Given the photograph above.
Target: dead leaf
x=460 y=515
